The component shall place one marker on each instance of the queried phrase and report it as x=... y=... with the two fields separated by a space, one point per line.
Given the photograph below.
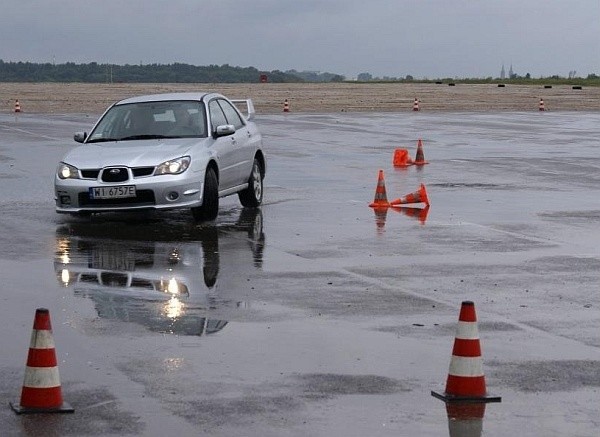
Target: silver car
x=165 y=151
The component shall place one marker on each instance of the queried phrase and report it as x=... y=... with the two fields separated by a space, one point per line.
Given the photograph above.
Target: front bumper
x=153 y=192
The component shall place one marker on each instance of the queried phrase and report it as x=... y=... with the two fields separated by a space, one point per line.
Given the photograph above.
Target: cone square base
x=64 y=408
x=474 y=399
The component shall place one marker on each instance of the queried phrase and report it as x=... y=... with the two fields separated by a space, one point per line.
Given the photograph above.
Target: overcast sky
x=423 y=38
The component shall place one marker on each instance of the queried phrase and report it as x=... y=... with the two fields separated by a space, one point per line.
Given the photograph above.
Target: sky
x=386 y=38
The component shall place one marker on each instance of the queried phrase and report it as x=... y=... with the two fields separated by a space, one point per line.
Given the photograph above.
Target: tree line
x=151 y=73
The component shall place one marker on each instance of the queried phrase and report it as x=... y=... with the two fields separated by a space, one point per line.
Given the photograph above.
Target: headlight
x=66 y=171
x=174 y=166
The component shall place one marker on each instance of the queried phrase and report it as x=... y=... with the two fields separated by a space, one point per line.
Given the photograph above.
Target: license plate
x=118 y=192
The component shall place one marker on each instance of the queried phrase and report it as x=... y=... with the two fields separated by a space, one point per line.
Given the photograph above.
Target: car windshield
x=150 y=120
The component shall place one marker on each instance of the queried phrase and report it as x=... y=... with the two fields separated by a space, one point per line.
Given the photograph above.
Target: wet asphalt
x=316 y=314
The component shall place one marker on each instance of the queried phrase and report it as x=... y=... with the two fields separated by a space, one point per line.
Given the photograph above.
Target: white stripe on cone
x=467 y=331
x=41 y=339
x=41 y=377
x=466 y=366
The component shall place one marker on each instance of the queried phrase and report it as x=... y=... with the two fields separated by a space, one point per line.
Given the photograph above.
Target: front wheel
x=252 y=196
x=210 y=198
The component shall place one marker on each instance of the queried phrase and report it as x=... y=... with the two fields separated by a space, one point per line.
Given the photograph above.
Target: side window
x=232 y=115
x=217 y=118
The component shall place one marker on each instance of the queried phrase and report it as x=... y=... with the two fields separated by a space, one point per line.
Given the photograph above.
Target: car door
x=224 y=147
x=244 y=153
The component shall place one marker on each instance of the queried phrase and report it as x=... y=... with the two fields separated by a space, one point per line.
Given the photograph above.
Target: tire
x=252 y=196
x=210 y=198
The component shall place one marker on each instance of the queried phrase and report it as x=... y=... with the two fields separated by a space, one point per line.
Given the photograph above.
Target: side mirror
x=224 y=130
x=80 y=136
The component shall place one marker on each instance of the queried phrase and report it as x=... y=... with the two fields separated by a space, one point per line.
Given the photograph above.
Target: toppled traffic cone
x=420 y=156
x=419 y=196
x=465 y=419
x=380 y=194
x=417 y=213
x=41 y=392
x=466 y=381
x=402 y=158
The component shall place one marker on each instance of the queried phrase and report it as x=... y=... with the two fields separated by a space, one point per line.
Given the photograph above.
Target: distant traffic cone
x=420 y=156
x=286 y=106
x=416 y=104
x=419 y=196
x=542 y=107
x=380 y=200
x=465 y=419
x=466 y=381
x=17 y=106
x=41 y=392
x=402 y=158
x=417 y=213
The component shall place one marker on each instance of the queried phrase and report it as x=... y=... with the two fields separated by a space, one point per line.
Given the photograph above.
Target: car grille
x=138 y=172
x=115 y=174
x=142 y=198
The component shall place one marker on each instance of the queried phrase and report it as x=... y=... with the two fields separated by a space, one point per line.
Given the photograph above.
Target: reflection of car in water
x=163 y=275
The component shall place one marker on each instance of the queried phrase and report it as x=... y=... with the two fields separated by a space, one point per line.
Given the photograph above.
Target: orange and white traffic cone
x=286 y=106
x=17 y=106
x=420 y=156
x=41 y=392
x=542 y=107
x=466 y=381
x=416 y=104
x=402 y=158
x=419 y=196
x=380 y=217
x=380 y=200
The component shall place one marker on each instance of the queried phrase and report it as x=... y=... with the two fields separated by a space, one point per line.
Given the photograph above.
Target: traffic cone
x=416 y=104
x=419 y=196
x=466 y=381
x=286 y=106
x=402 y=158
x=542 y=107
x=41 y=392
x=17 y=106
x=380 y=200
x=420 y=156
x=417 y=213
x=465 y=419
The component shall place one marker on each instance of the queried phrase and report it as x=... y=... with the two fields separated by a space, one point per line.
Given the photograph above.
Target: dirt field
x=268 y=98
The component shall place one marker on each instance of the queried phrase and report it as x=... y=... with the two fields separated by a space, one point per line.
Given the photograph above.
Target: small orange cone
x=17 y=106
x=542 y=107
x=466 y=381
x=380 y=217
x=380 y=200
x=416 y=104
x=402 y=158
x=420 y=156
x=419 y=196
x=41 y=392
x=286 y=106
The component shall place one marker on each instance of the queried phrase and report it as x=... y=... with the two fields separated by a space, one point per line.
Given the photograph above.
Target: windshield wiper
x=102 y=140
x=142 y=137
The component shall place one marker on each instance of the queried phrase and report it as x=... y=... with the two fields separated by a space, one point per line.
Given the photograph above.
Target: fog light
x=65 y=200
x=173 y=195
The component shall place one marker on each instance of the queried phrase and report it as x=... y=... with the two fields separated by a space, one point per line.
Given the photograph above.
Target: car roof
x=166 y=97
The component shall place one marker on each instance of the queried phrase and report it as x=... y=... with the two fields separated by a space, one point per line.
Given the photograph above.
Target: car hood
x=135 y=153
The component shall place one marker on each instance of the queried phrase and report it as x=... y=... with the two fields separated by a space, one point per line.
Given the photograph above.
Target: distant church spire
x=502 y=73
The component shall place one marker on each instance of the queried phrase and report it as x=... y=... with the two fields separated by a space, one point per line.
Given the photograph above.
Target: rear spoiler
x=246 y=107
